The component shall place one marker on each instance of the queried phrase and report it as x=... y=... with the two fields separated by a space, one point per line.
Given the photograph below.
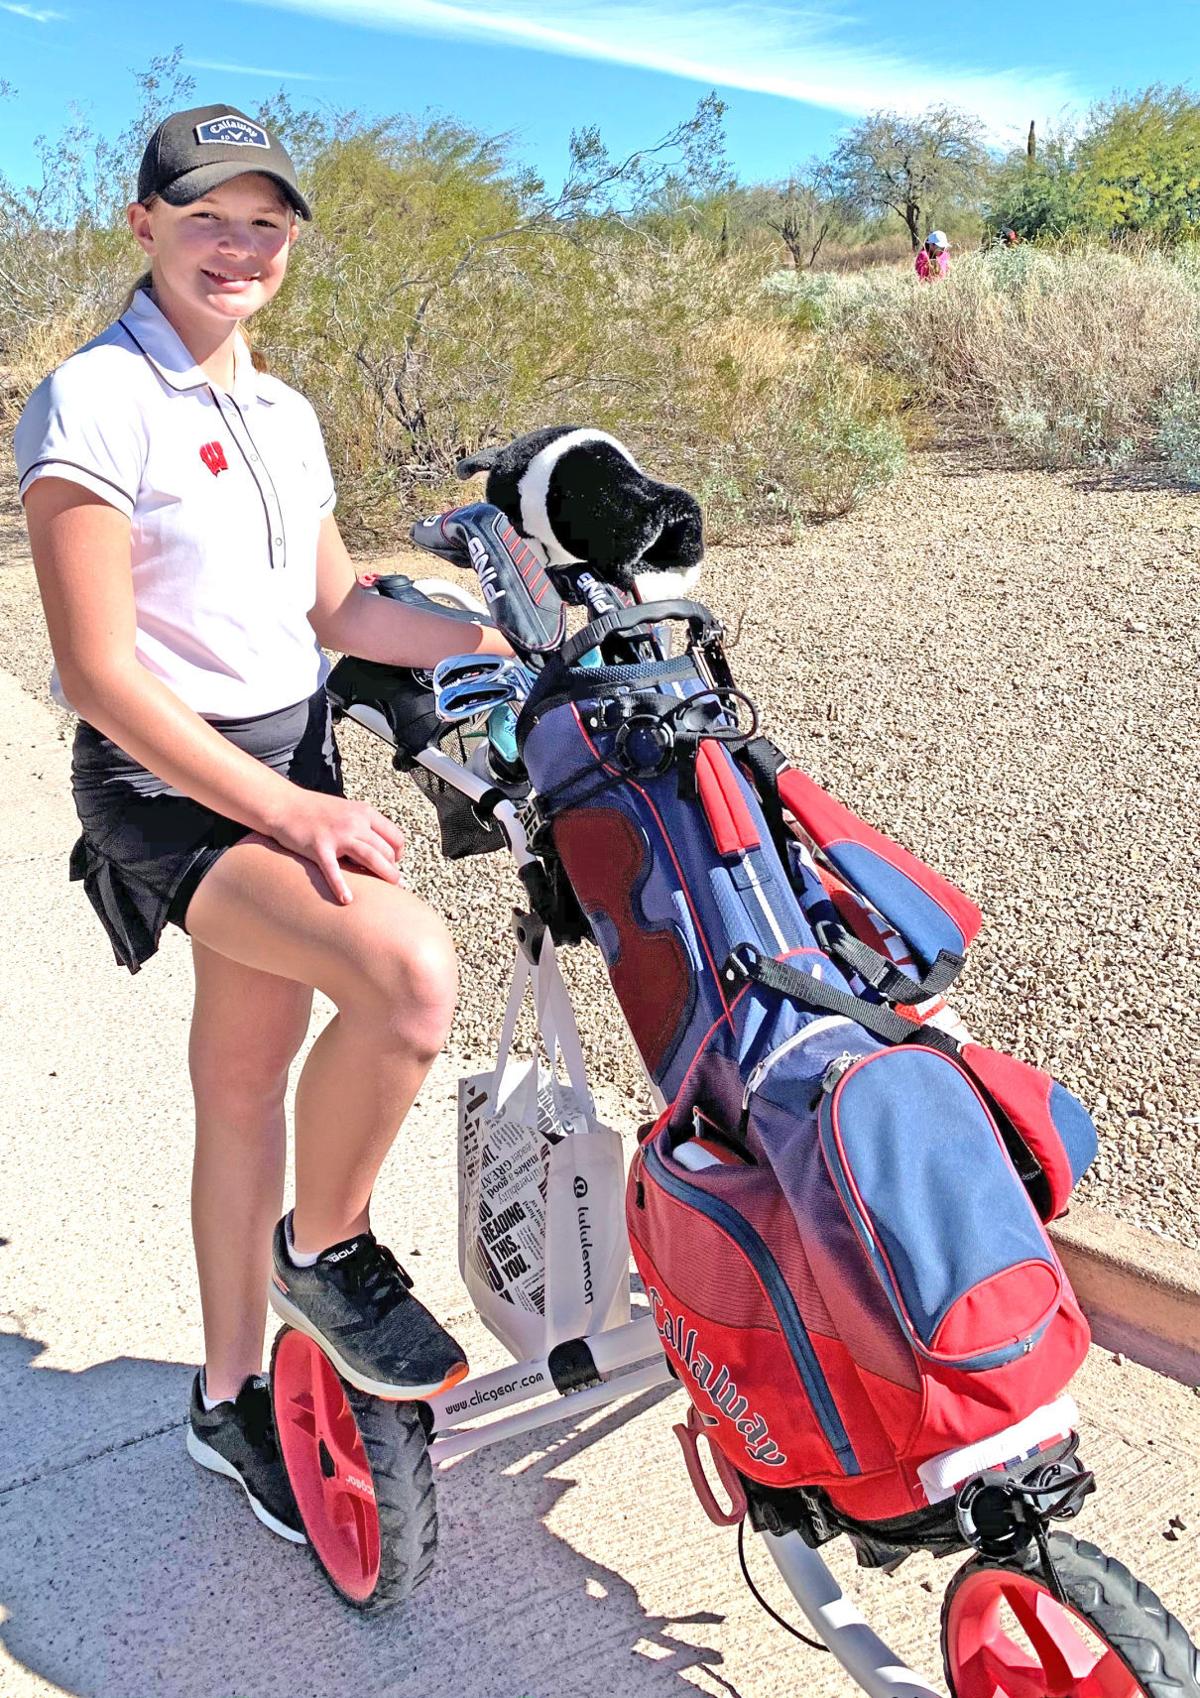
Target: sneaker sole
x=387 y=1390
x=206 y=1457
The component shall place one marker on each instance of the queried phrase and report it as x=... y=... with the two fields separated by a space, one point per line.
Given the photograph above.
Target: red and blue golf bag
x=839 y=1215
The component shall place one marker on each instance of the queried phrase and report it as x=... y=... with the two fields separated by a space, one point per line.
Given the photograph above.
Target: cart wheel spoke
x=1000 y=1669
x=1066 y=1657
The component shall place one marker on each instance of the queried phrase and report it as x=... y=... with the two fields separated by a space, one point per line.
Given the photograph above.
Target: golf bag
x=838 y=1216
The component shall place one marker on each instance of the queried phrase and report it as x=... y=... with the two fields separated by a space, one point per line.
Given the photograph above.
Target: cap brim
x=194 y=185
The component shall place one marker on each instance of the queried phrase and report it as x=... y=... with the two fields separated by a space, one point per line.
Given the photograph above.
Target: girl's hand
x=328 y=830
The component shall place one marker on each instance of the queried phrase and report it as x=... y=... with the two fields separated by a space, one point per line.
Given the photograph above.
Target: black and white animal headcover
x=577 y=495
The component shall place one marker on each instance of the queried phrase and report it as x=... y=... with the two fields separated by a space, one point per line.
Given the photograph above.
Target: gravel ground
x=999 y=668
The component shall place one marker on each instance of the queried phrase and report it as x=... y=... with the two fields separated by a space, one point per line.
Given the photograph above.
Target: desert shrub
x=843 y=456
x=1063 y=358
x=776 y=429
x=598 y=325
x=1177 y=431
x=57 y=289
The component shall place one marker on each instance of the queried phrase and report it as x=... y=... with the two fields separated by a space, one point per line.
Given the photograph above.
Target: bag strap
x=892 y=982
x=700 y=622
x=745 y=965
x=764 y=762
x=556 y=1022
x=516 y=996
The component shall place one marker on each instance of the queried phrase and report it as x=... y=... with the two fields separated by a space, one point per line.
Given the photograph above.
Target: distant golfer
x=932 y=260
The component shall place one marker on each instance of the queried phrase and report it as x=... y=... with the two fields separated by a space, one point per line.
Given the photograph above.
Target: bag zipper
x=756 y=1252
x=761 y=1068
x=839 y=1066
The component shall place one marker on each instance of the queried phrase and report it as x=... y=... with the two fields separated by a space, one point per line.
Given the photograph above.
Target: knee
x=409 y=988
x=241 y=1084
x=240 y=1067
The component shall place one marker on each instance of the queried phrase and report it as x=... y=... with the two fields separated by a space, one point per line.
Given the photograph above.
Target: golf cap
x=937 y=239
x=192 y=153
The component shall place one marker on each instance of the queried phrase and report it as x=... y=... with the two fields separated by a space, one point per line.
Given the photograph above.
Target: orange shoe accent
x=453 y=1377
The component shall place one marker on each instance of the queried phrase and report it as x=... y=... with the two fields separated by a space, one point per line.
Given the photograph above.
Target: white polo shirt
x=225 y=493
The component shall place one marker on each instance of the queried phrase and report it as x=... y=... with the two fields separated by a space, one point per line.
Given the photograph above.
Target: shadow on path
x=126 y=1572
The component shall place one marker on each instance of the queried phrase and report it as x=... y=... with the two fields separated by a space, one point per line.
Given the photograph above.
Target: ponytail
x=146 y=282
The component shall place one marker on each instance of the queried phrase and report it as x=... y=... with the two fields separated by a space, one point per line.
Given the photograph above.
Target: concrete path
x=579 y=1565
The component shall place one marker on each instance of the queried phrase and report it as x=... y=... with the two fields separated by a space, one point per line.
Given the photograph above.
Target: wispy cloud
x=249 y=70
x=36 y=14
x=819 y=56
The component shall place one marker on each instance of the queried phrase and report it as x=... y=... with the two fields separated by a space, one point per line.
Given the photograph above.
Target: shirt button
x=278 y=542
x=253 y=458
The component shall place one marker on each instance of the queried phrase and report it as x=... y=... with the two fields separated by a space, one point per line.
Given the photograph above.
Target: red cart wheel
x=1005 y=1635
x=359 y=1469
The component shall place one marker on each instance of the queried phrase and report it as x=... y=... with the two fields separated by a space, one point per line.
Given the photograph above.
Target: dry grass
x=880 y=250
x=1083 y=357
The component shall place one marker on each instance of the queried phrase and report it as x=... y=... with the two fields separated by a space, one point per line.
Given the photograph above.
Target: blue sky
x=793 y=75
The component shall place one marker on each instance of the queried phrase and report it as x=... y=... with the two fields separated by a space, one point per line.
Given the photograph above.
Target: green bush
x=442 y=300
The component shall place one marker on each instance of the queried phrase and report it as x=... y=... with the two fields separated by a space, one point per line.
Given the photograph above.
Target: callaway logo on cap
x=192 y=153
x=234 y=130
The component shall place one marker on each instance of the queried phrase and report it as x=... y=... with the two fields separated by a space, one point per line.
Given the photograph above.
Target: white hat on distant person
x=937 y=239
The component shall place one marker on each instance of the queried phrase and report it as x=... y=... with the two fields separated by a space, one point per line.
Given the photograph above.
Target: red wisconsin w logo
x=213 y=456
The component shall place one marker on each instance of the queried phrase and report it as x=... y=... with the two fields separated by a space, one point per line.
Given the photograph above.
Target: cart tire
x=359 y=1468
x=1115 y=1640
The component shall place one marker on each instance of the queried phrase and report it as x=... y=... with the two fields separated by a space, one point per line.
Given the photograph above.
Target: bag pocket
x=729 y=1319
x=653 y=960
x=924 y=1177
x=936 y=920
x=1052 y=1124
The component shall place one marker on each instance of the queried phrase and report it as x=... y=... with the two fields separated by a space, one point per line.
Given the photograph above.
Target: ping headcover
x=521 y=599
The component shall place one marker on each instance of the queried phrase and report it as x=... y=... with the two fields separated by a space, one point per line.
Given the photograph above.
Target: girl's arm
x=353 y=620
x=81 y=553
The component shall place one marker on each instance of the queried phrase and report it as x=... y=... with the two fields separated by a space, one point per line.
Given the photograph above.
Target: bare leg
x=351 y=1099
x=387 y=962
x=247 y=1026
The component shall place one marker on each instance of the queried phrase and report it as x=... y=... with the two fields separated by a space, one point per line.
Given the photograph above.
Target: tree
x=432 y=258
x=1139 y=164
x=59 y=236
x=1134 y=171
x=1040 y=197
x=913 y=167
x=803 y=211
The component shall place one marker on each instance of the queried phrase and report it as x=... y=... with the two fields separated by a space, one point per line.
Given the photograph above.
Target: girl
x=180 y=512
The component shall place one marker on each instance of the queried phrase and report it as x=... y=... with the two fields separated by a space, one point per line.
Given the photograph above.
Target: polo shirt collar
x=160 y=342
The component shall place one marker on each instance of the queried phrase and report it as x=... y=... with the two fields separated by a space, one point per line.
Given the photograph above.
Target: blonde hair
x=146 y=283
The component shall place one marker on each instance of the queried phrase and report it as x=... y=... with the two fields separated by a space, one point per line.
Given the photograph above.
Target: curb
x=1140 y=1292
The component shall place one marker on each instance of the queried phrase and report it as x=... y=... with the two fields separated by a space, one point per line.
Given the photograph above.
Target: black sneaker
x=356 y=1303
x=237 y=1438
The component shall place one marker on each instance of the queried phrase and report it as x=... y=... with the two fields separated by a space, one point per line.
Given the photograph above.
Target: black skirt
x=145 y=846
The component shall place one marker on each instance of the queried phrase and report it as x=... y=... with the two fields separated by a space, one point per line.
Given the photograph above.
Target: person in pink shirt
x=932 y=261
